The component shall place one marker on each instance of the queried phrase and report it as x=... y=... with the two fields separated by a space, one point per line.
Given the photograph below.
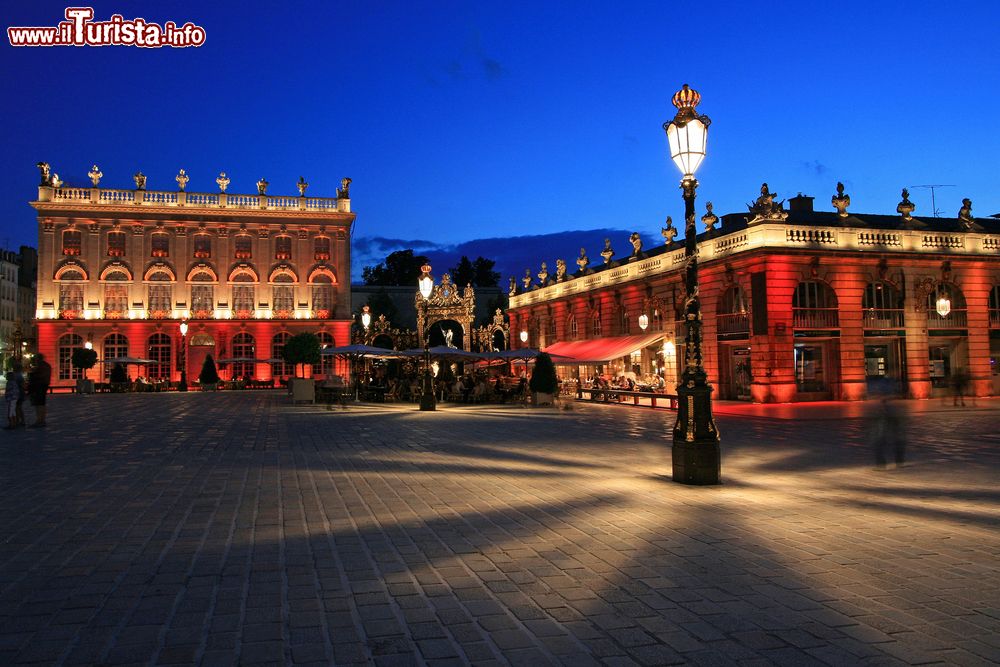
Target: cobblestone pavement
x=234 y=528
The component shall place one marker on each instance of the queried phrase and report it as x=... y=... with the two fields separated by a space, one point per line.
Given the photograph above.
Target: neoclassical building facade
x=120 y=270
x=797 y=304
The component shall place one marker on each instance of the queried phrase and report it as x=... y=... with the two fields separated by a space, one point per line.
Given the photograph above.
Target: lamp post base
x=428 y=402
x=697 y=463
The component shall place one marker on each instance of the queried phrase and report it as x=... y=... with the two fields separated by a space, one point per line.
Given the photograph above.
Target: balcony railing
x=113 y=197
x=733 y=323
x=815 y=318
x=995 y=318
x=956 y=319
x=883 y=318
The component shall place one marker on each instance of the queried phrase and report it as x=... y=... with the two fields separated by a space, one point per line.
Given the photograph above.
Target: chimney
x=800 y=203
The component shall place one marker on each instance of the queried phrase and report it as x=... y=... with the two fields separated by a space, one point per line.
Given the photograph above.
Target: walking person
x=12 y=395
x=887 y=433
x=39 y=379
x=960 y=385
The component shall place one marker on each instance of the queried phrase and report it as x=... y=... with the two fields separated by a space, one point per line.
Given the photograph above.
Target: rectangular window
x=321 y=247
x=115 y=301
x=70 y=300
x=244 y=246
x=159 y=301
x=202 y=301
x=202 y=246
x=283 y=247
x=284 y=301
x=72 y=240
x=116 y=244
x=243 y=302
x=161 y=245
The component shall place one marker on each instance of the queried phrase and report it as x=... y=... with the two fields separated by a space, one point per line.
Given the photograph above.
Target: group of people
x=627 y=383
x=34 y=387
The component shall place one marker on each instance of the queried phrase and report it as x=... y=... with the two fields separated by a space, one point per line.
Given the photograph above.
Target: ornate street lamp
x=943 y=304
x=366 y=317
x=183 y=385
x=524 y=336
x=696 y=457
x=643 y=321
x=426 y=286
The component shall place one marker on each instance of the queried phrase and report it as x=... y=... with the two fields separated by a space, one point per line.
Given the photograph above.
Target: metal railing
x=815 y=318
x=956 y=319
x=883 y=318
x=733 y=323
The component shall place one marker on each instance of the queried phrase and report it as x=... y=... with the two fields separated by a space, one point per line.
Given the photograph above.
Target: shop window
x=244 y=347
x=326 y=361
x=68 y=343
x=159 y=353
x=280 y=368
x=810 y=373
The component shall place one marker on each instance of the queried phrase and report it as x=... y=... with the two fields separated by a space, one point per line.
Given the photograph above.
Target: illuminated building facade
x=798 y=305
x=121 y=269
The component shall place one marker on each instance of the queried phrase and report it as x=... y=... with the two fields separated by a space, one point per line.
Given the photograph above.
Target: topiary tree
x=303 y=348
x=543 y=378
x=84 y=359
x=208 y=374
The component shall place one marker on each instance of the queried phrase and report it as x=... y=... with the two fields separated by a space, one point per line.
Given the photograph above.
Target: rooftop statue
x=560 y=270
x=302 y=185
x=765 y=206
x=905 y=208
x=222 y=181
x=841 y=201
x=344 y=191
x=262 y=186
x=526 y=280
x=140 y=180
x=607 y=253
x=43 y=170
x=95 y=175
x=512 y=288
x=182 y=179
x=543 y=275
x=965 y=214
x=583 y=261
x=636 y=242
x=710 y=219
x=56 y=182
x=669 y=232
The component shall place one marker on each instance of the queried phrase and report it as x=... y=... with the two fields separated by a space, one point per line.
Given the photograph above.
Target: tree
x=381 y=303
x=303 y=348
x=399 y=268
x=484 y=275
x=84 y=359
x=208 y=375
x=543 y=378
x=479 y=273
x=463 y=274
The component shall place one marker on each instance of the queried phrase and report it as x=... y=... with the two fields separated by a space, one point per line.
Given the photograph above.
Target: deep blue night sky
x=465 y=120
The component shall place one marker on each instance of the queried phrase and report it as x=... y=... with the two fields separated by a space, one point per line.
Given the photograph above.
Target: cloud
x=816 y=167
x=511 y=254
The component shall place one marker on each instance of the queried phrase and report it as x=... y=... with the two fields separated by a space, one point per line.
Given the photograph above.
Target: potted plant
x=84 y=359
x=208 y=378
x=543 y=383
x=299 y=350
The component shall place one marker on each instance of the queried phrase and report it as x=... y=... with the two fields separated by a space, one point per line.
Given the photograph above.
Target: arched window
x=595 y=325
x=71 y=242
x=572 y=328
x=950 y=294
x=283 y=247
x=280 y=368
x=116 y=243
x=733 y=315
x=321 y=248
x=115 y=294
x=68 y=343
x=814 y=306
x=995 y=307
x=115 y=347
x=626 y=325
x=882 y=305
x=323 y=301
x=159 y=352
x=243 y=301
x=159 y=306
x=551 y=333
x=326 y=361
x=71 y=294
x=160 y=244
x=243 y=245
x=244 y=347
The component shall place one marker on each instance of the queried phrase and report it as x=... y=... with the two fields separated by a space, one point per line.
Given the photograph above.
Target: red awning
x=600 y=350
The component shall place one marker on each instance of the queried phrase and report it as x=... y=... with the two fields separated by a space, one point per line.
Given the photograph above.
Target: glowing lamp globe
x=184 y=328
x=687 y=133
x=943 y=306
x=524 y=336
x=643 y=321
x=366 y=316
x=425 y=283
